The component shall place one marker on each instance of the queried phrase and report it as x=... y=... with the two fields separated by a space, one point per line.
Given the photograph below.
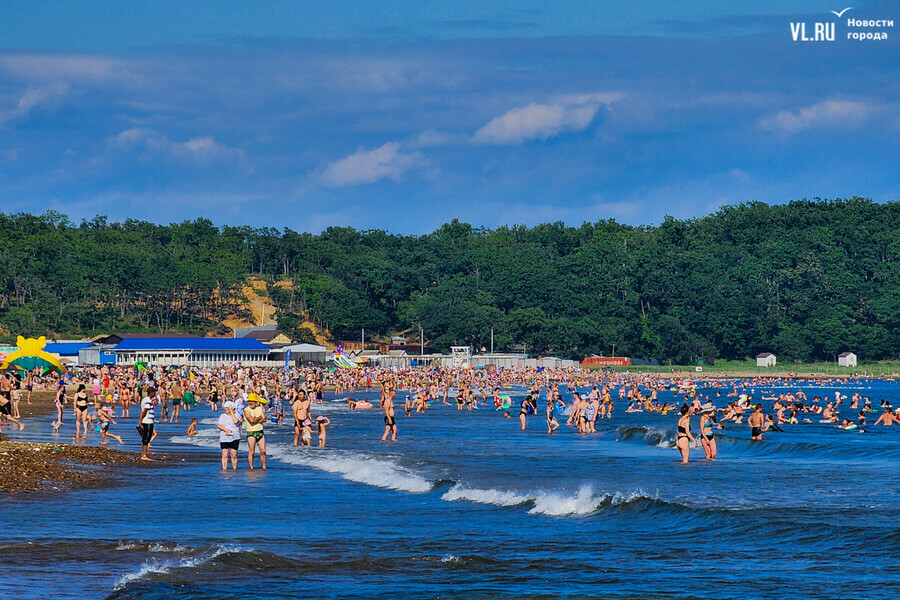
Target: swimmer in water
x=707 y=422
x=887 y=418
x=527 y=408
x=322 y=422
x=684 y=439
x=552 y=423
x=390 y=421
x=756 y=422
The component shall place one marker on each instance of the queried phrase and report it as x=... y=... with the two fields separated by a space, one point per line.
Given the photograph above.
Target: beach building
x=847 y=359
x=67 y=351
x=765 y=359
x=97 y=354
x=114 y=338
x=300 y=354
x=195 y=352
x=267 y=334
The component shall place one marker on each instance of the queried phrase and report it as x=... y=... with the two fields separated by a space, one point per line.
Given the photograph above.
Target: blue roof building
x=65 y=349
x=195 y=352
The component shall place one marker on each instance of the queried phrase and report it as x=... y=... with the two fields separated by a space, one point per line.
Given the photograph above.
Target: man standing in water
x=887 y=418
x=145 y=423
x=390 y=422
x=300 y=408
x=756 y=422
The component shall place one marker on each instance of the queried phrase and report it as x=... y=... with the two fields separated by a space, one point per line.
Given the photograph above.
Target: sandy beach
x=52 y=467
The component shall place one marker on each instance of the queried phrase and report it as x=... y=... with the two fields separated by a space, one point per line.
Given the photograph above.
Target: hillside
x=806 y=280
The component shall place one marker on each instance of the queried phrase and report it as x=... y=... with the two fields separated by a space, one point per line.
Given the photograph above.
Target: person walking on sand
x=6 y=408
x=146 y=421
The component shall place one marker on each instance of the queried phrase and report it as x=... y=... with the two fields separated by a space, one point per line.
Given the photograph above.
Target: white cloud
x=567 y=113
x=830 y=113
x=368 y=166
x=66 y=67
x=535 y=121
x=199 y=150
x=596 y=98
x=432 y=139
x=32 y=98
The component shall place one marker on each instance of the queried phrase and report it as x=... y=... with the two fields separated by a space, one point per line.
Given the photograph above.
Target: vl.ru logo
x=819 y=32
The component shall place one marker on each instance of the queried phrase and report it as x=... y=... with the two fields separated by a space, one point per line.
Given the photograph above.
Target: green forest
x=805 y=280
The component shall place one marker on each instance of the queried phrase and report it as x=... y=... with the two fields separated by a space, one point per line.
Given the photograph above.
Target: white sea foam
x=176 y=549
x=551 y=503
x=160 y=567
x=489 y=496
x=360 y=468
x=203 y=441
x=124 y=546
x=554 y=504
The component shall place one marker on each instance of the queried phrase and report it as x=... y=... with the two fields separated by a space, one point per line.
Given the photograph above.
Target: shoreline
x=51 y=467
x=48 y=467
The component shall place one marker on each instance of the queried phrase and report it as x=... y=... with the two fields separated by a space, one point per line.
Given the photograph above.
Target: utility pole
x=492 y=340
x=614 y=350
x=363 y=342
x=421 y=341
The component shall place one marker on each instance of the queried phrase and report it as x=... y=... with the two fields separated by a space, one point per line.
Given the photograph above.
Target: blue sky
x=404 y=115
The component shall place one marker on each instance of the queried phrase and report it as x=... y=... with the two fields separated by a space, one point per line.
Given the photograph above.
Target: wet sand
x=33 y=467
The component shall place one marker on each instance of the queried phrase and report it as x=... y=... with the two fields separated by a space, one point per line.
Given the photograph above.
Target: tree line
x=805 y=280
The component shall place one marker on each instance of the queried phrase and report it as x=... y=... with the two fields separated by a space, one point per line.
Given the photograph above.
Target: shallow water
x=466 y=505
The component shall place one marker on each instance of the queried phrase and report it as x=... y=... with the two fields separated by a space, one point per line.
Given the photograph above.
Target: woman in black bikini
x=707 y=422
x=60 y=402
x=81 y=410
x=685 y=438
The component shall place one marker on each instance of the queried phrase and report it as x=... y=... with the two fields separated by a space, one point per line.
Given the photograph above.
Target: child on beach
x=103 y=425
x=322 y=421
x=306 y=433
x=192 y=428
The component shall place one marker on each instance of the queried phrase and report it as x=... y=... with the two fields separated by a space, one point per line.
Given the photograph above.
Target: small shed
x=302 y=354
x=765 y=359
x=847 y=359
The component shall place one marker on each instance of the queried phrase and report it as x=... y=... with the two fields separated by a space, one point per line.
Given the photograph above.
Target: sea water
x=466 y=505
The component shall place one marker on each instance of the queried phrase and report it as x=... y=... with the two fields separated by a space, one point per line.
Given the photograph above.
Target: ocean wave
x=584 y=502
x=153 y=547
x=360 y=468
x=158 y=567
x=488 y=496
x=201 y=441
x=652 y=436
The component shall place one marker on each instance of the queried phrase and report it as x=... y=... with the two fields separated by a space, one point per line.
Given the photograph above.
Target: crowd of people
x=247 y=401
